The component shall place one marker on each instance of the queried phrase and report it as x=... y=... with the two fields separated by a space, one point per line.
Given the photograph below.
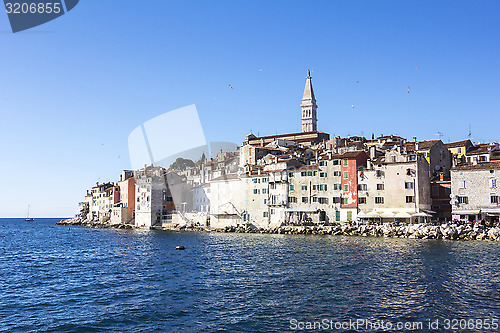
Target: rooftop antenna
x=440 y=135
x=470 y=133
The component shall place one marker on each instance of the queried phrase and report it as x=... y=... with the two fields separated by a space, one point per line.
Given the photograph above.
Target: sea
x=55 y=278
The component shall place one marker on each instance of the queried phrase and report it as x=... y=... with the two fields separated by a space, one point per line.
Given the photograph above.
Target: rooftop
x=480 y=166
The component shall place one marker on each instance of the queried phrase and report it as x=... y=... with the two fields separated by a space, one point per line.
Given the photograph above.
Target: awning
x=421 y=214
x=402 y=215
x=465 y=212
x=387 y=215
x=491 y=210
x=372 y=214
x=299 y=210
x=361 y=215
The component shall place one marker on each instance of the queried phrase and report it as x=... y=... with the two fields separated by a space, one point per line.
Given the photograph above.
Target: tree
x=181 y=164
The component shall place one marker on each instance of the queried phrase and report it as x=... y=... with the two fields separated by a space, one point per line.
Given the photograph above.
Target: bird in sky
x=357 y=81
x=260 y=70
x=230 y=86
x=352 y=106
x=408 y=90
x=416 y=69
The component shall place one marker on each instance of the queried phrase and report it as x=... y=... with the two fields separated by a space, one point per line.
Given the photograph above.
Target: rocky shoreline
x=414 y=231
x=449 y=231
x=77 y=221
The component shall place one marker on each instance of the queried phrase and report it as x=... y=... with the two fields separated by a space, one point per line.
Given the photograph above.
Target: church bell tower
x=309 y=119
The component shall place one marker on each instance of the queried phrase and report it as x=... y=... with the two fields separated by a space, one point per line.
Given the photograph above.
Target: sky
x=73 y=89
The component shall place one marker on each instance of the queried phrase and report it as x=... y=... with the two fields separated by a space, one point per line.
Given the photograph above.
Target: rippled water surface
x=60 y=279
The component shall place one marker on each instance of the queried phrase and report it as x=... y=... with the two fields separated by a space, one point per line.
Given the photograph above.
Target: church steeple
x=309 y=119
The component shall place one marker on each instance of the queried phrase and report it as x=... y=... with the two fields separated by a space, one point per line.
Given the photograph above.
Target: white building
x=226 y=201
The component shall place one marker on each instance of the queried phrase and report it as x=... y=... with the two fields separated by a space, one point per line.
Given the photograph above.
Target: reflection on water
x=81 y=279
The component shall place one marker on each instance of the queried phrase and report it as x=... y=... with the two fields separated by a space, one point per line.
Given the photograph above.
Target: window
x=337 y=215
x=255 y=180
x=256 y=191
x=362 y=200
x=337 y=187
x=413 y=157
x=315 y=187
x=345 y=201
x=378 y=173
x=379 y=200
x=335 y=162
x=362 y=187
x=265 y=214
x=349 y=216
x=408 y=172
x=264 y=180
x=494 y=199
x=346 y=162
x=305 y=199
x=409 y=199
x=323 y=201
x=462 y=184
x=290 y=174
x=336 y=200
x=380 y=187
x=346 y=174
x=463 y=200
x=322 y=163
x=272 y=211
x=408 y=185
x=264 y=191
x=346 y=187
x=459 y=150
x=322 y=187
x=315 y=199
x=493 y=183
x=265 y=201
x=323 y=174
x=303 y=187
x=292 y=187
x=309 y=173
x=303 y=173
x=336 y=174
x=292 y=199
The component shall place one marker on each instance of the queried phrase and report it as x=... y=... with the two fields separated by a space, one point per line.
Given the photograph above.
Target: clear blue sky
x=73 y=89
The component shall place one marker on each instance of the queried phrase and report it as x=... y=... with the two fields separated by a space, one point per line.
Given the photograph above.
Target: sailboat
x=28 y=218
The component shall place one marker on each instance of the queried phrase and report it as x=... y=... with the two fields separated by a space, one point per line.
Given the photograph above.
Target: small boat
x=28 y=218
x=180 y=247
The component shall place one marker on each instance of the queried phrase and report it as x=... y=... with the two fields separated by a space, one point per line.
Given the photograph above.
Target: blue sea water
x=77 y=279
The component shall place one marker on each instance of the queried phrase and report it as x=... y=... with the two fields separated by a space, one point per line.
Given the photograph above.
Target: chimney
x=368 y=164
x=414 y=139
x=373 y=152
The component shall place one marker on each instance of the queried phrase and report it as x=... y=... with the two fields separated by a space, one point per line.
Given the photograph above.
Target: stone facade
x=395 y=187
x=475 y=192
